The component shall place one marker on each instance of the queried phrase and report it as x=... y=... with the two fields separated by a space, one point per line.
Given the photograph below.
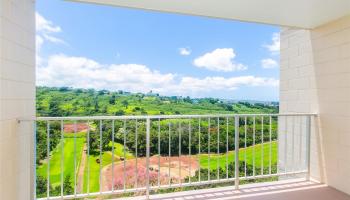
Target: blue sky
x=94 y=46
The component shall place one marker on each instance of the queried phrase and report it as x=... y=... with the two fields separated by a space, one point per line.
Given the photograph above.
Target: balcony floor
x=296 y=189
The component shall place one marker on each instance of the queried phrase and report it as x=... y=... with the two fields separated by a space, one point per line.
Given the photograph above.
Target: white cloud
x=185 y=51
x=219 y=60
x=197 y=85
x=44 y=33
x=269 y=63
x=53 y=39
x=44 y=25
x=62 y=70
x=274 y=47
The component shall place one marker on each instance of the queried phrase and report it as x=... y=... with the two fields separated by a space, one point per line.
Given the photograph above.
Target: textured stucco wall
x=315 y=77
x=17 y=97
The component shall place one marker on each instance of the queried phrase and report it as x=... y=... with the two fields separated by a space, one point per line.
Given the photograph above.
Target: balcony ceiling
x=293 y=13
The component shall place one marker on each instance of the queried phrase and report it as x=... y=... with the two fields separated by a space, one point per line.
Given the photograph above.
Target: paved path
x=80 y=181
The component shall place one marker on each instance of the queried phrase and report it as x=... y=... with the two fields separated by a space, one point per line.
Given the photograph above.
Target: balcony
x=314 y=78
x=119 y=156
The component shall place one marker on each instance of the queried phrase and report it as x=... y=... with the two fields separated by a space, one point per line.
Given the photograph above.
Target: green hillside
x=86 y=102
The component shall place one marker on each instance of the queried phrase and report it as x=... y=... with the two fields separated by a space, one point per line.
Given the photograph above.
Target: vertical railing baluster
x=254 y=127
x=209 y=149
x=189 y=149
x=100 y=180
x=227 y=148
x=75 y=158
x=262 y=146
x=113 y=132
x=286 y=146
x=62 y=157
x=245 y=146
x=148 y=133
x=180 y=154
x=270 y=153
x=88 y=158
x=48 y=159
x=293 y=145
x=158 y=152
x=124 y=154
x=136 y=147
x=199 y=148
x=300 y=141
x=35 y=157
x=277 y=145
x=237 y=152
x=308 y=147
x=169 y=154
x=218 y=148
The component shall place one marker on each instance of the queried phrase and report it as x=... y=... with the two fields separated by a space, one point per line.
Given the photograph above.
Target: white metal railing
x=206 y=138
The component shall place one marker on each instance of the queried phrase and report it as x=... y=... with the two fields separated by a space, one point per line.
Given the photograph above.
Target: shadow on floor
x=299 y=190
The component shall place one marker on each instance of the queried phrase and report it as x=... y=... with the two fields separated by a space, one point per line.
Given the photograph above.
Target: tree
x=136 y=109
x=41 y=186
x=112 y=100
x=104 y=109
x=54 y=109
x=119 y=113
x=78 y=91
x=95 y=138
x=143 y=112
x=188 y=99
x=67 y=185
x=125 y=103
x=96 y=107
x=64 y=89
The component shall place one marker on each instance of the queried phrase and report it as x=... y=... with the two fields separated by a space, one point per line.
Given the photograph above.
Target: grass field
x=94 y=166
x=68 y=155
x=249 y=151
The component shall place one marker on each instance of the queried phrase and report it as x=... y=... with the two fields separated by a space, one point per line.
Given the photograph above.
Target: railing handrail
x=126 y=117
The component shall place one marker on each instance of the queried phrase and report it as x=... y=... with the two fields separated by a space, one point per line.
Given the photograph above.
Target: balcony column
x=315 y=74
x=17 y=97
x=297 y=95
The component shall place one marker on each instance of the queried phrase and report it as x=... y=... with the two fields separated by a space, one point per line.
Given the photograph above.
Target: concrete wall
x=17 y=97
x=298 y=94
x=315 y=77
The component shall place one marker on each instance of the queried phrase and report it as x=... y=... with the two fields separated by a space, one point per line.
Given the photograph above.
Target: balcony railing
x=77 y=157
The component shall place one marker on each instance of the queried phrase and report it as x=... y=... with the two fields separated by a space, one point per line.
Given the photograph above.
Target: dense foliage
x=41 y=188
x=88 y=102
x=75 y=102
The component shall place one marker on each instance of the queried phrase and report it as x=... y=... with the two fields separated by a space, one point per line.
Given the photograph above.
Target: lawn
x=249 y=151
x=94 y=186
x=68 y=155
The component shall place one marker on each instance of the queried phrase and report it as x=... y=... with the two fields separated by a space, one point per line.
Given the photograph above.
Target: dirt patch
x=80 y=181
x=180 y=168
x=70 y=128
